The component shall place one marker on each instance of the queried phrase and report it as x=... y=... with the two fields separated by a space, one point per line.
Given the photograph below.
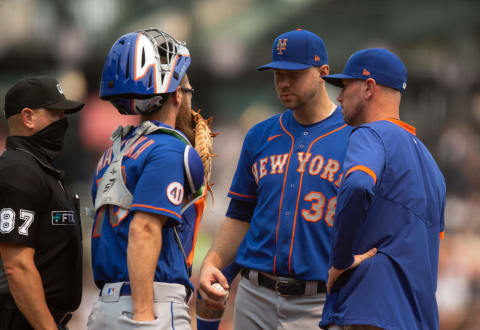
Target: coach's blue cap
x=377 y=63
x=297 y=50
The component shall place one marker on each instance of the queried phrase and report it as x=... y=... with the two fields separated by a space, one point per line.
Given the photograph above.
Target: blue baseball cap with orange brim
x=297 y=50
x=377 y=63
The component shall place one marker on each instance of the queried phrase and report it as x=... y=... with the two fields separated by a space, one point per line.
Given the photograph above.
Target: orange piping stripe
x=270 y=138
x=156 y=208
x=403 y=125
x=95 y=234
x=363 y=169
x=298 y=197
x=155 y=79
x=442 y=235
x=283 y=189
x=199 y=207
x=246 y=196
x=135 y=59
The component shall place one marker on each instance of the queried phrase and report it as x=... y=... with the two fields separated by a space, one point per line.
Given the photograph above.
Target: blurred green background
x=439 y=41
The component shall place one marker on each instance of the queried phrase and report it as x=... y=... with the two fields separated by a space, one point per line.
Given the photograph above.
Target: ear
x=324 y=70
x=27 y=117
x=370 y=88
x=177 y=95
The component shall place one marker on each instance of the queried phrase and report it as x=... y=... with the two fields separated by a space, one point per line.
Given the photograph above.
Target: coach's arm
x=143 y=251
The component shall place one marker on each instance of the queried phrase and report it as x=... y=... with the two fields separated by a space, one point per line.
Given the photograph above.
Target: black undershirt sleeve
x=240 y=210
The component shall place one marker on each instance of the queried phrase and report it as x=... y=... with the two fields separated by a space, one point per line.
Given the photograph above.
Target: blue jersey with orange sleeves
x=291 y=173
x=392 y=198
x=153 y=171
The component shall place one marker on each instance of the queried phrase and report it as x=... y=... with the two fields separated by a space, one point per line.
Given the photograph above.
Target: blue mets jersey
x=392 y=198
x=153 y=171
x=291 y=173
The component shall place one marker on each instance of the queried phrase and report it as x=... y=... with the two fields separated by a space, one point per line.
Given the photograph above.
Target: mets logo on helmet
x=281 y=46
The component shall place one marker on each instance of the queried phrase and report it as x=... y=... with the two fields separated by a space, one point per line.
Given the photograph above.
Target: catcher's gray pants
x=260 y=308
x=115 y=312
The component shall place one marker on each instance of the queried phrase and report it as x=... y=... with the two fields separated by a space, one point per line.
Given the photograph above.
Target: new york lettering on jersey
x=292 y=172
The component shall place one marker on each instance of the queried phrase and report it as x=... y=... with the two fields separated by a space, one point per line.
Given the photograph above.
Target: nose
x=340 y=97
x=282 y=81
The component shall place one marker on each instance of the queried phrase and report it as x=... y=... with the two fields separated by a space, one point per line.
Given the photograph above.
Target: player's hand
x=212 y=298
x=334 y=274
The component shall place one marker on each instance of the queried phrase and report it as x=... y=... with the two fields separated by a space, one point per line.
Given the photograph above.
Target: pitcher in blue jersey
x=148 y=189
x=283 y=197
x=390 y=207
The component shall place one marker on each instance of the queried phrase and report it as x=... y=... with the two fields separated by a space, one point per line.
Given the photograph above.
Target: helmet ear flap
x=130 y=106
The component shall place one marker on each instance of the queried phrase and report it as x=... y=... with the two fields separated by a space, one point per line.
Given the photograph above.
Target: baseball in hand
x=218 y=287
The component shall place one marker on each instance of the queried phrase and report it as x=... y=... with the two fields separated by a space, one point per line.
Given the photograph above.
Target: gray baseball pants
x=114 y=311
x=260 y=308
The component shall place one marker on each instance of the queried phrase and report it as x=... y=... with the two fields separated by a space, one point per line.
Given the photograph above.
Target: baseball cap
x=377 y=63
x=297 y=50
x=38 y=92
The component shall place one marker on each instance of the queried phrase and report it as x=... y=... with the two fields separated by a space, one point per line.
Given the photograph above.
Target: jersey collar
x=410 y=129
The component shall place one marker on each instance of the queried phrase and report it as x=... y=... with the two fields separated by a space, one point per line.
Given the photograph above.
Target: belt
x=124 y=291
x=285 y=288
x=127 y=291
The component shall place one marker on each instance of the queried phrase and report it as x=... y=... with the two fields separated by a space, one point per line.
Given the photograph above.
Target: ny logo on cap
x=59 y=89
x=281 y=46
x=365 y=72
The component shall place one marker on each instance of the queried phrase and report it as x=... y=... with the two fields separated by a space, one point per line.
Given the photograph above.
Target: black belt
x=284 y=288
x=126 y=290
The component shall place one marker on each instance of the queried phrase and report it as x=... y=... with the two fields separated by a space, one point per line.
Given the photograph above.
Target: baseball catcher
x=149 y=188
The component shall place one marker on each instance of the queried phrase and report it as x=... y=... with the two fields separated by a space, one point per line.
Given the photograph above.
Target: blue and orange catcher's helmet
x=141 y=69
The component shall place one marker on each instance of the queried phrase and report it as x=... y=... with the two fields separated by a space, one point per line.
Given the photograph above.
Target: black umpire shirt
x=37 y=211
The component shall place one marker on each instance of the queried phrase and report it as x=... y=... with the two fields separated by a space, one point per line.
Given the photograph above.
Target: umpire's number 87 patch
x=7 y=221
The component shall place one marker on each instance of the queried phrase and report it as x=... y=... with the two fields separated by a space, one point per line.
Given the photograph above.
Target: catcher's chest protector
x=113 y=191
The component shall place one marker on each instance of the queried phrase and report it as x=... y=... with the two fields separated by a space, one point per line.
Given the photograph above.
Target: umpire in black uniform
x=40 y=230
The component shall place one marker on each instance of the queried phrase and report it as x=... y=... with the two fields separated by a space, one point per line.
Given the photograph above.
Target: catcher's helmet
x=140 y=68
